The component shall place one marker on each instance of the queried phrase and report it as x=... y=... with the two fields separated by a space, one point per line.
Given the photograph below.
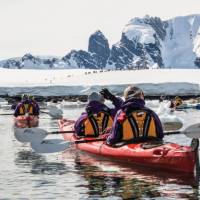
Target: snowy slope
x=82 y=81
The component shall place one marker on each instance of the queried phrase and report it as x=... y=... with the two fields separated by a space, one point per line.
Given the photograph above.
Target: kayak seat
x=145 y=144
x=152 y=144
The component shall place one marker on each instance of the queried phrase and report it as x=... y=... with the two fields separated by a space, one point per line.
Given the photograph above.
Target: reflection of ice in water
x=109 y=168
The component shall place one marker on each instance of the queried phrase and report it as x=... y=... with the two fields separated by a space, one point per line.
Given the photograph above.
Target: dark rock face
x=95 y=58
x=83 y=59
x=133 y=54
x=197 y=62
x=123 y=53
x=98 y=45
x=28 y=57
x=158 y=25
x=155 y=53
x=11 y=63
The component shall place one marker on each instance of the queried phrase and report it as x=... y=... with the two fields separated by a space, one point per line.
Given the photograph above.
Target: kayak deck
x=168 y=156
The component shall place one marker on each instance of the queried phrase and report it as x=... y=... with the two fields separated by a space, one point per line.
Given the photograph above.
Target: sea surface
x=75 y=175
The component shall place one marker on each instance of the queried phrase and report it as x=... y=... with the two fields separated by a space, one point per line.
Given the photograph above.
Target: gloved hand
x=107 y=94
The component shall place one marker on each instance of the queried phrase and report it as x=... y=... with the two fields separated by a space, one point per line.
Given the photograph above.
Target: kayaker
x=36 y=105
x=135 y=122
x=98 y=117
x=178 y=101
x=162 y=98
x=25 y=107
x=174 y=103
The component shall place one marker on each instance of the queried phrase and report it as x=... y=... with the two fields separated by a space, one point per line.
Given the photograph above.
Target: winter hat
x=94 y=96
x=132 y=92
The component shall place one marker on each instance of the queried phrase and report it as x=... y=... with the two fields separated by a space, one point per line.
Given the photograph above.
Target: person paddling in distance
x=134 y=122
x=26 y=107
x=176 y=102
x=98 y=117
x=35 y=104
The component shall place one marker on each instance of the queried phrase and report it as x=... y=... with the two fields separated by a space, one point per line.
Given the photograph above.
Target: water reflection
x=38 y=163
x=118 y=180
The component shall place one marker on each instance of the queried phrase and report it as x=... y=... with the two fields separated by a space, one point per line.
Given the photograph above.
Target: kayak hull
x=26 y=121
x=168 y=156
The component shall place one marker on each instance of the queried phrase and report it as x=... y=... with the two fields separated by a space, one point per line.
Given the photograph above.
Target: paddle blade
x=50 y=146
x=55 y=112
x=172 y=126
x=30 y=134
x=193 y=131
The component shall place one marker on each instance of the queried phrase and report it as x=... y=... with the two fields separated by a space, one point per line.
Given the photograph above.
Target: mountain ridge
x=147 y=42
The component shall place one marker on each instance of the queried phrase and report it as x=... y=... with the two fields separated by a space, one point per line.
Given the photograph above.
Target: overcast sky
x=54 y=27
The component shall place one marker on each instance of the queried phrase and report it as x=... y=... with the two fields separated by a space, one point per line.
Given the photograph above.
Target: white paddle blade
x=55 y=112
x=50 y=146
x=30 y=134
x=193 y=131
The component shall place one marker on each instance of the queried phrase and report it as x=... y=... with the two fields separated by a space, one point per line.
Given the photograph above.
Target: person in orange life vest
x=36 y=105
x=98 y=117
x=24 y=107
x=135 y=122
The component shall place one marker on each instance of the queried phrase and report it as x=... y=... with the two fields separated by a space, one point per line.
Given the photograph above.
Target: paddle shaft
x=60 y=132
x=91 y=140
x=172 y=132
x=165 y=133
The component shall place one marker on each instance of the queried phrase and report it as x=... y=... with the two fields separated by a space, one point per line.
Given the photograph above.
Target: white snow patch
x=83 y=81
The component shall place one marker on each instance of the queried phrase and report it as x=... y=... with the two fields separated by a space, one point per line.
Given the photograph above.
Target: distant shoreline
x=83 y=98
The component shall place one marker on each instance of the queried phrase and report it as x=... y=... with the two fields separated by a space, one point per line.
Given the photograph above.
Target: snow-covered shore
x=83 y=81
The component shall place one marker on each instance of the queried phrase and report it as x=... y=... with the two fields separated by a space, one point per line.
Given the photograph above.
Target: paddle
x=57 y=145
x=54 y=145
x=6 y=113
x=54 y=112
x=29 y=134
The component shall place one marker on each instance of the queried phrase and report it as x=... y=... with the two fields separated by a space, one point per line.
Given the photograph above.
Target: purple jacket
x=17 y=109
x=96 y=107
x=115 y=135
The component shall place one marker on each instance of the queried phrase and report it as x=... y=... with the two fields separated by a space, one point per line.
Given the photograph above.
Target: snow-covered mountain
x=146 y=42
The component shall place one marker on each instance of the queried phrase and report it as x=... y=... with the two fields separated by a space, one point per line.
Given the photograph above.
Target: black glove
x=107 y=94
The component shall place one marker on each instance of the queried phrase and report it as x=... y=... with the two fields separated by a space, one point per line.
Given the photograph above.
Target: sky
x=55 y=27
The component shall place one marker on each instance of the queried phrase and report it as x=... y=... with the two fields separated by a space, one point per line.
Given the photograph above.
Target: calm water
x=76 y=175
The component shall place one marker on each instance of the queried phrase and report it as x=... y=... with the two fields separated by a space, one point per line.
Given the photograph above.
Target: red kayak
x=168 y=156
x=26 y=121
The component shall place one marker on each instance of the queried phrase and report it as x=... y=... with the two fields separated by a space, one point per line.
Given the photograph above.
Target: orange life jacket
x=96 y=124
x=138 y=124
x=26 y=108
x=178 y=101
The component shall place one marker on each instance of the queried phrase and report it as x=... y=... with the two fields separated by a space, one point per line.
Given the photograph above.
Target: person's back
x=135 y=122
x=25 y=107
x=36 y=108
x=98 y=117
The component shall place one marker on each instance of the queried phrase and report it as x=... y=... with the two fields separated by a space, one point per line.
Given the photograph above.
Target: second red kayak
x=26 y=121
x=168 y=156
